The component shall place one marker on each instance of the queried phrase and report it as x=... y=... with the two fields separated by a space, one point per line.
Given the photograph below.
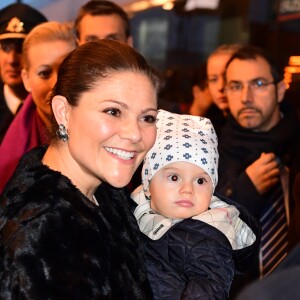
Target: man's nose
x=14 y=57
x=247 y=94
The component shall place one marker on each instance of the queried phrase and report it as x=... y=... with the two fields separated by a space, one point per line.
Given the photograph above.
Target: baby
x=194 y=241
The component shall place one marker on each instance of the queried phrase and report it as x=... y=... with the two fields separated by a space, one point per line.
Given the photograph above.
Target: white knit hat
x=182 y=138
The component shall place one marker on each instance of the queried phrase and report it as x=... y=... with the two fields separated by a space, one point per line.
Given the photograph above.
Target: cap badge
x=15 y=25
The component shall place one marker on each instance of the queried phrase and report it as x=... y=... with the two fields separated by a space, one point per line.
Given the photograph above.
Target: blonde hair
x=47 y=32
x=226 y=49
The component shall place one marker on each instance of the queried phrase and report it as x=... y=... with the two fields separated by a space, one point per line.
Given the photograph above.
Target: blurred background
x=177 y=35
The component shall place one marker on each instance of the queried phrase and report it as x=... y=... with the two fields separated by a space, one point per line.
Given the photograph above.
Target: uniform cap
x=16 y=20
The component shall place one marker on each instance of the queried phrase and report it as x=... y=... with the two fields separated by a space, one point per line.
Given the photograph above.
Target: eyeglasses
x=257 y=86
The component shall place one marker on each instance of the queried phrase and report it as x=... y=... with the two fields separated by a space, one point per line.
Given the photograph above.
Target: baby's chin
x=186 y=215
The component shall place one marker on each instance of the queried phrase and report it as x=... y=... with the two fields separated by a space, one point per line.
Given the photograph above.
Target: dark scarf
x=246 y=145
x=25 y=132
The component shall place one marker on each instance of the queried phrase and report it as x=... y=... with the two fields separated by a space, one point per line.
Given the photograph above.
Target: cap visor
x=12 y=35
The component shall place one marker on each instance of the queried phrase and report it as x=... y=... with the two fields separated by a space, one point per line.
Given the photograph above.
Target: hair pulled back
x=85 y=66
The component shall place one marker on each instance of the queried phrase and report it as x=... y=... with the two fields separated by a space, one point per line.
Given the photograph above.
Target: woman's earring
x=62 y=133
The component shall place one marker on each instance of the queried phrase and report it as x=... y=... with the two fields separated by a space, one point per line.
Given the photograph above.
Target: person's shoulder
x=26 y=202
x=34 y=188
x=45 y=207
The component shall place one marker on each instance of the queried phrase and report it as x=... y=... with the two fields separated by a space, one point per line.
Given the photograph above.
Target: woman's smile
x=126 y=155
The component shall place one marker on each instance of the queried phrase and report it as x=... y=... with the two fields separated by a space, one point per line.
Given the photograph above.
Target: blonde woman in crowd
x=216 y=64
x=44 y=49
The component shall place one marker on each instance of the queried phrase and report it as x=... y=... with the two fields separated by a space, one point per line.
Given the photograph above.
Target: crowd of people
x=104 y=195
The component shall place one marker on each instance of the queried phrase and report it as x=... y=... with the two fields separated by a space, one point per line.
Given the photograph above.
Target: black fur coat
x=56 y=244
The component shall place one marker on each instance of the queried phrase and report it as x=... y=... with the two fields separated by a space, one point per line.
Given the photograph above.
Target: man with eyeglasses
x=258 y=150
x=16 y=20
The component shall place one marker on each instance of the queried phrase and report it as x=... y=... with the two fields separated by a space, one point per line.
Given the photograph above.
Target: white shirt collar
x=12 y=101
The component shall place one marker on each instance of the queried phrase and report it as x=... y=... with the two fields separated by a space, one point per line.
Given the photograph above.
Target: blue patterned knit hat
x=182 y=138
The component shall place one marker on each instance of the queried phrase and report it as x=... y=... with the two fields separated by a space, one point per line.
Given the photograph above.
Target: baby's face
x=180 y=190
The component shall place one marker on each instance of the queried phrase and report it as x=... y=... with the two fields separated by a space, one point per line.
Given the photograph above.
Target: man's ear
x=26 y=81
x=60 y=107
x=281 y=88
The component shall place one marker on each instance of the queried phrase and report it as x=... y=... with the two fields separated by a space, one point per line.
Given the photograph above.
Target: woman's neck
x=58 y=158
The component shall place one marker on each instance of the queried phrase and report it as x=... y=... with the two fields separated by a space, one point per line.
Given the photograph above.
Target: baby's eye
x=173 y=177
x=201 y=180
x=115 y=112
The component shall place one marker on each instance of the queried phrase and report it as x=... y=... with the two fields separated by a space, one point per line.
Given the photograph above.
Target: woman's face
x=215 y=73
x=111 y=129
x=44 y=60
